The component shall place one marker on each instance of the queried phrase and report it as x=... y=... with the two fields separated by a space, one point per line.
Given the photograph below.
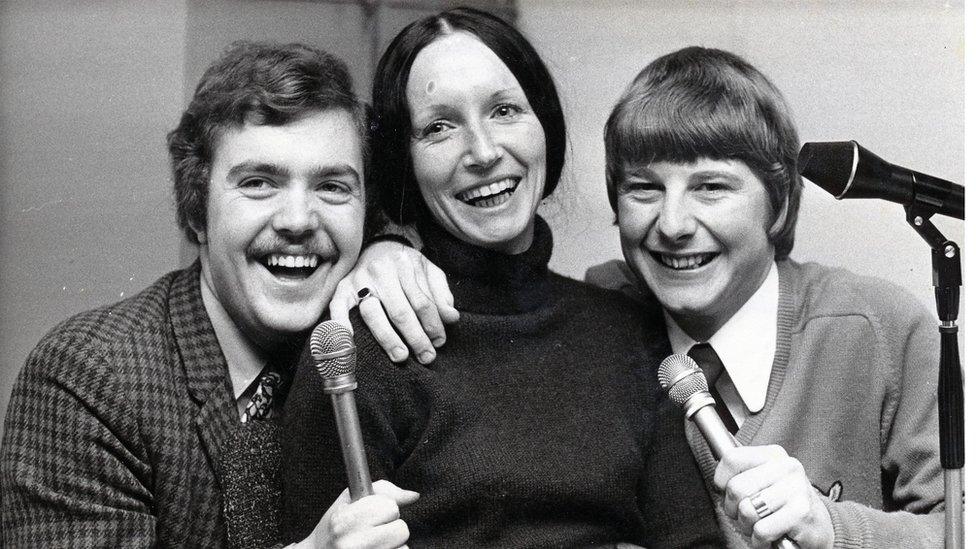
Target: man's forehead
x=323 y=141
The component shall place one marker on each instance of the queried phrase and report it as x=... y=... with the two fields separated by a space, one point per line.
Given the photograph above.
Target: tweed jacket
x=114 y=425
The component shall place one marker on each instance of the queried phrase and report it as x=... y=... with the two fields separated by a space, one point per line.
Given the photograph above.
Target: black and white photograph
x=349 y=274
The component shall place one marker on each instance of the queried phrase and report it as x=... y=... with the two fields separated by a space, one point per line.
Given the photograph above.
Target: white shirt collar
x=244 y=359
x=746 y=343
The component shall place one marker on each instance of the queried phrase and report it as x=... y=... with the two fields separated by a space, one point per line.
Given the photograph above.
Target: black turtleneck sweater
x=540 y=424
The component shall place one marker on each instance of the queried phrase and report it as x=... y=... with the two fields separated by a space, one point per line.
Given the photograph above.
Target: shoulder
x=616 y=301
x=615 y=275
x=614 y=317
x=81 y=345
x=824 y=291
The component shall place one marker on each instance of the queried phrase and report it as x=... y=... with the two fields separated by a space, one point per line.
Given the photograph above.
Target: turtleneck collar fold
x=489 y=282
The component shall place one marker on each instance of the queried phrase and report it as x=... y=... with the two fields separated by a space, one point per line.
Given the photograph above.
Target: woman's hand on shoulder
x=765 y=480
x=408 y=296
x=371 y=522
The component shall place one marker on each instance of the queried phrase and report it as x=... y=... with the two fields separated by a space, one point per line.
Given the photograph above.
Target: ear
x=780 y=222
x=201 y=233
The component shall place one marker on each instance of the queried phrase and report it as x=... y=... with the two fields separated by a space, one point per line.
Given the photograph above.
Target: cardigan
x=114 y=426
x=541 y=424
x=853 y=396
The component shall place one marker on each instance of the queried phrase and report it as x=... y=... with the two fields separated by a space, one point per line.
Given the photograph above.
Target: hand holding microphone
x=767 y=493
x=357 y=518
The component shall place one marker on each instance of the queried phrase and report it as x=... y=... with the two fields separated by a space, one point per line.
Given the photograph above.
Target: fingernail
x=426 y=357
x=399 y=353
x=438 y=341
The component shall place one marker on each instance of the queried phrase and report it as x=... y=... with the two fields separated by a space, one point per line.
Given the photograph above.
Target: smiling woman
x=476 y=144
x=539 y=424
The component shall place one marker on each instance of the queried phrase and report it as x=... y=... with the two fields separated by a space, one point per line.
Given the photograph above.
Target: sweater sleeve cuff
x=851 y=530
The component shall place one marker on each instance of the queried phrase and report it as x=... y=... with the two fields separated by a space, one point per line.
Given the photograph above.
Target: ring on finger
x=762 y=509
x=363 y=294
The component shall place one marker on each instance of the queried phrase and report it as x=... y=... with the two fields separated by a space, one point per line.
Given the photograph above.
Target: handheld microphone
x=334 y=354
x=845 y=169
x=685 y=384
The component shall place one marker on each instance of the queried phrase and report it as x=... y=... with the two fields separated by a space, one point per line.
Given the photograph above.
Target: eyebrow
x=277 y=170
x=646 y=173
x=514 y=90
x=442 y=108
x=708 y=174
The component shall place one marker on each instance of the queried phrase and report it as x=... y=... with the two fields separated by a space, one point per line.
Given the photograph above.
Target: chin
x=292 y=323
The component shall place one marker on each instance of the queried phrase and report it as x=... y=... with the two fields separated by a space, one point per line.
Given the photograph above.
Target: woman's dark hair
x=392 y=181
x=258 y=83
x=700 y=102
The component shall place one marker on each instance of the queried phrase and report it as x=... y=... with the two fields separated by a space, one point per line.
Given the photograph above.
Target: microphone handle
x=720 y=440
x=351 y=441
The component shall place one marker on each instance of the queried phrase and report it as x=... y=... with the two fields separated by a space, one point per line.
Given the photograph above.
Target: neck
x=491 y=281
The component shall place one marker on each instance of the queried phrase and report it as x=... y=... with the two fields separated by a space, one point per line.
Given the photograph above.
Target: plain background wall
x=888 y=74
x=89 y=89
x=87 y=93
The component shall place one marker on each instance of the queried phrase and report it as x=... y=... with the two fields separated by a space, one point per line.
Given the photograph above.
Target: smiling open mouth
x=685 y=262
x=291 y=266
x=487 y=196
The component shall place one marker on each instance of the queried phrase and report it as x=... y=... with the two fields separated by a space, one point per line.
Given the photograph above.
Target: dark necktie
x=711 y=365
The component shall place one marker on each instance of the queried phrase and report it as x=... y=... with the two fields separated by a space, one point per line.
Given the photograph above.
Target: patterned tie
x=273 y=383
x=262 y=400
x=712 y=366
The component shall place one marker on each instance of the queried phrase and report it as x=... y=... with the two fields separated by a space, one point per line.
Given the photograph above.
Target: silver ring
x=363 y=294
x=760 y=506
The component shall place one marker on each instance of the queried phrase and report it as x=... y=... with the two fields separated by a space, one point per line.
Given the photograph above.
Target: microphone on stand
x=685 y=384
x=845 y=169
x=334 y=355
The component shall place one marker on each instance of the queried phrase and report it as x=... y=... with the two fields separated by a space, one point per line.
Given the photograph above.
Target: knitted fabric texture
x=540 y=424
x=852 y=396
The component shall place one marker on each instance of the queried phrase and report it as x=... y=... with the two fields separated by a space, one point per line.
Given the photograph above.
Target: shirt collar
x=746 y=343
x=244 y=359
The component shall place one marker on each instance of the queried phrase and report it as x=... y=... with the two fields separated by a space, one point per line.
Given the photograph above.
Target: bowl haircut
x=708 y=103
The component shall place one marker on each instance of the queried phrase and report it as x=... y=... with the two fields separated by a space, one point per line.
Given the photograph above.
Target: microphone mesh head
x=681 y=377
x=333 y=350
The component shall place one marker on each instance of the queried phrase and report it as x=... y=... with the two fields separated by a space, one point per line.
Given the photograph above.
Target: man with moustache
x=117 y=424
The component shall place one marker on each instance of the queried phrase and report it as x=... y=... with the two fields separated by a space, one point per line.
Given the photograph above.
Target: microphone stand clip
x=947 y=279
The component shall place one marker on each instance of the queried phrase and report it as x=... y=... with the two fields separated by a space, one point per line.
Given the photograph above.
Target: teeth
x=684 y=262
x=488 y=190
x=293 y=261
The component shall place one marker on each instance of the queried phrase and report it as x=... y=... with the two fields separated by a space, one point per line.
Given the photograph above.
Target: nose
x=676 y=223
x=296 y=213
x=483 y=151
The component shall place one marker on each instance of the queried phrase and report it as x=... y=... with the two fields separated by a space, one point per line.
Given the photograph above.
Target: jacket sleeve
x=72 y=467
x=912 y=480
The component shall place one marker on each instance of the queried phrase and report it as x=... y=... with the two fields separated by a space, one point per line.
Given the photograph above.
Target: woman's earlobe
x=200 y=233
